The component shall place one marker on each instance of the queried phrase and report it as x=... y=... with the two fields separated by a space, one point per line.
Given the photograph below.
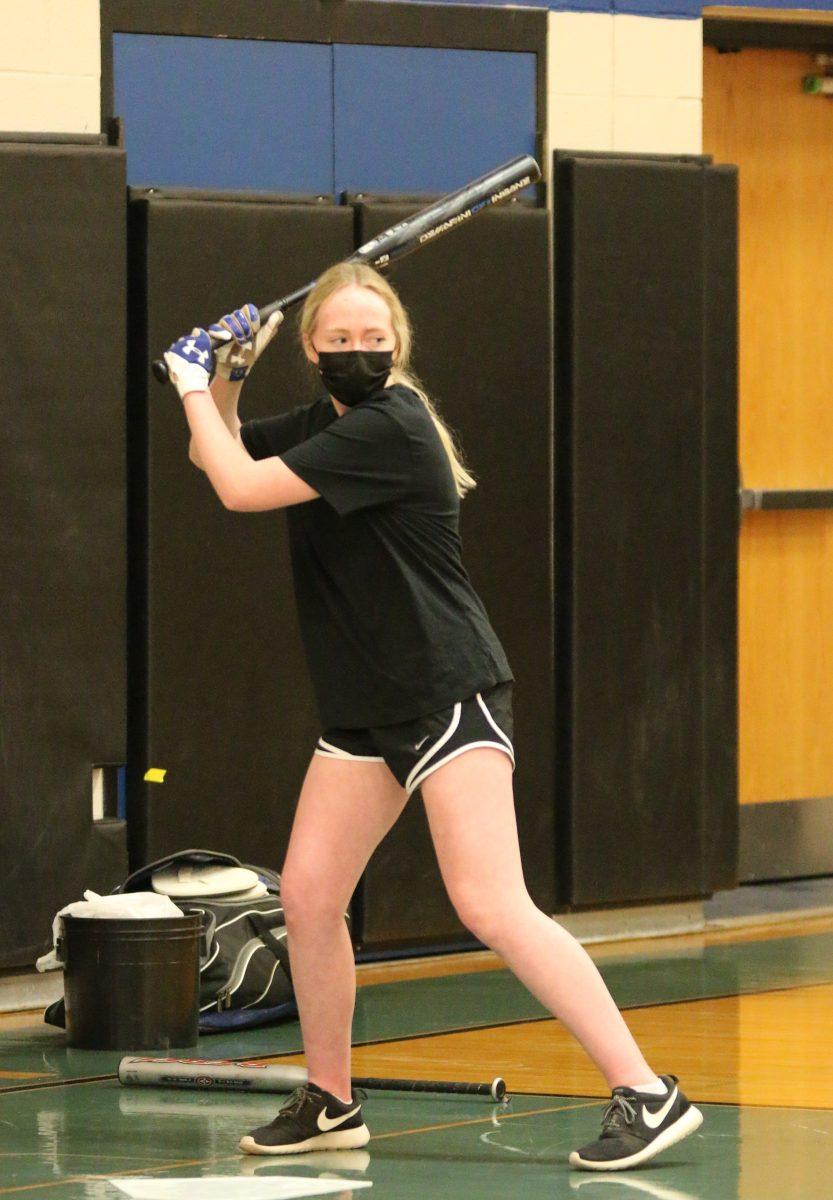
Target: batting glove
x=190 y=361
x=243 y=340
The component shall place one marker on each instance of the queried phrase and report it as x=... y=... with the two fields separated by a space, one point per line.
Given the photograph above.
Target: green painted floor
x=385 y=1012
x=68 y=1142
x=67 y=1139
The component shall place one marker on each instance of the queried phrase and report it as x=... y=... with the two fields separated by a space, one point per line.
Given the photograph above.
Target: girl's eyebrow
x=372 y=329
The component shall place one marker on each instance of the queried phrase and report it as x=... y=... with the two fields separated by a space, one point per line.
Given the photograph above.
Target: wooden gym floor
x=742 y=1016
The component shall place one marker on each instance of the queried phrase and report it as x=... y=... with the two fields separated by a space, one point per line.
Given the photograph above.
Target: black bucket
x=131 y=984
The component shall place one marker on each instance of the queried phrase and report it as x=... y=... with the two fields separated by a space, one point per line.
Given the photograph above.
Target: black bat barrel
x=496 y=1089
x=429 y=223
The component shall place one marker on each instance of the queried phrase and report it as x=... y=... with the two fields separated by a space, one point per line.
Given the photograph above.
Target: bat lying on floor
x=221 y=1074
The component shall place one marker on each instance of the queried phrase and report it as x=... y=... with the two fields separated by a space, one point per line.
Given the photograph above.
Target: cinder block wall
x=621 y=82
x=50 y=66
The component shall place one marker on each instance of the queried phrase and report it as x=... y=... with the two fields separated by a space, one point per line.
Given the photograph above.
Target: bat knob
x=498 y=1089
x=160 y=370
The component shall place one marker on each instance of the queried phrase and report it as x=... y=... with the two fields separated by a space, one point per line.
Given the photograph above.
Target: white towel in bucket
x=127 y=906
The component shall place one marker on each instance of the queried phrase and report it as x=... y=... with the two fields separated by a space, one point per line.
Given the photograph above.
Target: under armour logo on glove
x=190 y=361
x=201 y=355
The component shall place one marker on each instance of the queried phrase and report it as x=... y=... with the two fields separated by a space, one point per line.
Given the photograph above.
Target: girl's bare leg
x=344 y=811
x=471 y=813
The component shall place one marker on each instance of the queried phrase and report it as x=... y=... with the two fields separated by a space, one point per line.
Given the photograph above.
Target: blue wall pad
x=644 y=8
x=685 y=9
x=221 y=113
x=421 y=120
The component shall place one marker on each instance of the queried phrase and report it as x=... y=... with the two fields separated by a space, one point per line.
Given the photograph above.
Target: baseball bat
x=222 y=1074
x=425 y=226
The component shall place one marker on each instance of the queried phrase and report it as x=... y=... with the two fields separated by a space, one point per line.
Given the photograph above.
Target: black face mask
x=353 y=375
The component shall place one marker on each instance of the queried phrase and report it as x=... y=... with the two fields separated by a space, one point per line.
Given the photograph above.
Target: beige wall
x=625 y=83
x=50 y=66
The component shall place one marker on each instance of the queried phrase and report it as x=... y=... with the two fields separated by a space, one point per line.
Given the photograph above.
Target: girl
x=413 y=688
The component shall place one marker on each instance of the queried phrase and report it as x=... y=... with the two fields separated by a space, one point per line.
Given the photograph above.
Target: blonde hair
x=344 y=274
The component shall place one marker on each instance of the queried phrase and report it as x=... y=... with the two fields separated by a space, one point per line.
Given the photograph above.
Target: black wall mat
x=480 y=303
x=721 y=530
x=646 y=482
x=62 y=537
x=219 y=693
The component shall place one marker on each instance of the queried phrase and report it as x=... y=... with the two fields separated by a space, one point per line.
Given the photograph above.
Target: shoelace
x=296 y=1102
x=618 y=1114
x=301 y=1095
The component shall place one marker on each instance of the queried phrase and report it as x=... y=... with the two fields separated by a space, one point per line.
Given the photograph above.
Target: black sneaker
x=311 y=1119
x=638 y=1125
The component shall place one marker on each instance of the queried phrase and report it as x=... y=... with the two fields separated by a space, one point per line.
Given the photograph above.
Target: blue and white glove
x=190 y=361
x=243 y=340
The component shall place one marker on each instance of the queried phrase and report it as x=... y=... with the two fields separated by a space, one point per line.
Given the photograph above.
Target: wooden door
x=755 y=114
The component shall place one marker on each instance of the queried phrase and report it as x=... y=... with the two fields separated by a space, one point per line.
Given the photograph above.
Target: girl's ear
x=309 y=349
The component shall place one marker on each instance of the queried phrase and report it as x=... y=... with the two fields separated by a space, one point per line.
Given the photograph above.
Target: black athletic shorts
x=415 y=749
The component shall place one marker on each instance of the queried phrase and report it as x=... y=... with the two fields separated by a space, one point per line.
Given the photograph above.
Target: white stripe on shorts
x=460 y=750
x=455 y=721
x=493 y=722
x=328 y=750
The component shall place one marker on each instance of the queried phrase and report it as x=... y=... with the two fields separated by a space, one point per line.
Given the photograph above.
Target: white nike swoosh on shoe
x=325 y=1123
x=660 y=1191
x=654 y=1120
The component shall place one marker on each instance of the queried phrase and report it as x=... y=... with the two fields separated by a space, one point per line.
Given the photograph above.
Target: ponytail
x=463 y=480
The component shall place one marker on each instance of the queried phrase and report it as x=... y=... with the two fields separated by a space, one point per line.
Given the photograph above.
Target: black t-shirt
x=391 y=624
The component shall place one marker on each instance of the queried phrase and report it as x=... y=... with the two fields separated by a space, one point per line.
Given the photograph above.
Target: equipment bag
x=244 y=967
x=245 y=976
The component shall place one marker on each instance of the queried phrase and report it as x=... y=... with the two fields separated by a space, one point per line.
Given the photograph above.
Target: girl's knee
x=492 y=919
x=306 y=896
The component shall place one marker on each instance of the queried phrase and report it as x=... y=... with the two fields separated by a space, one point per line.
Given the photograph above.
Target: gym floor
x=741 y=1015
